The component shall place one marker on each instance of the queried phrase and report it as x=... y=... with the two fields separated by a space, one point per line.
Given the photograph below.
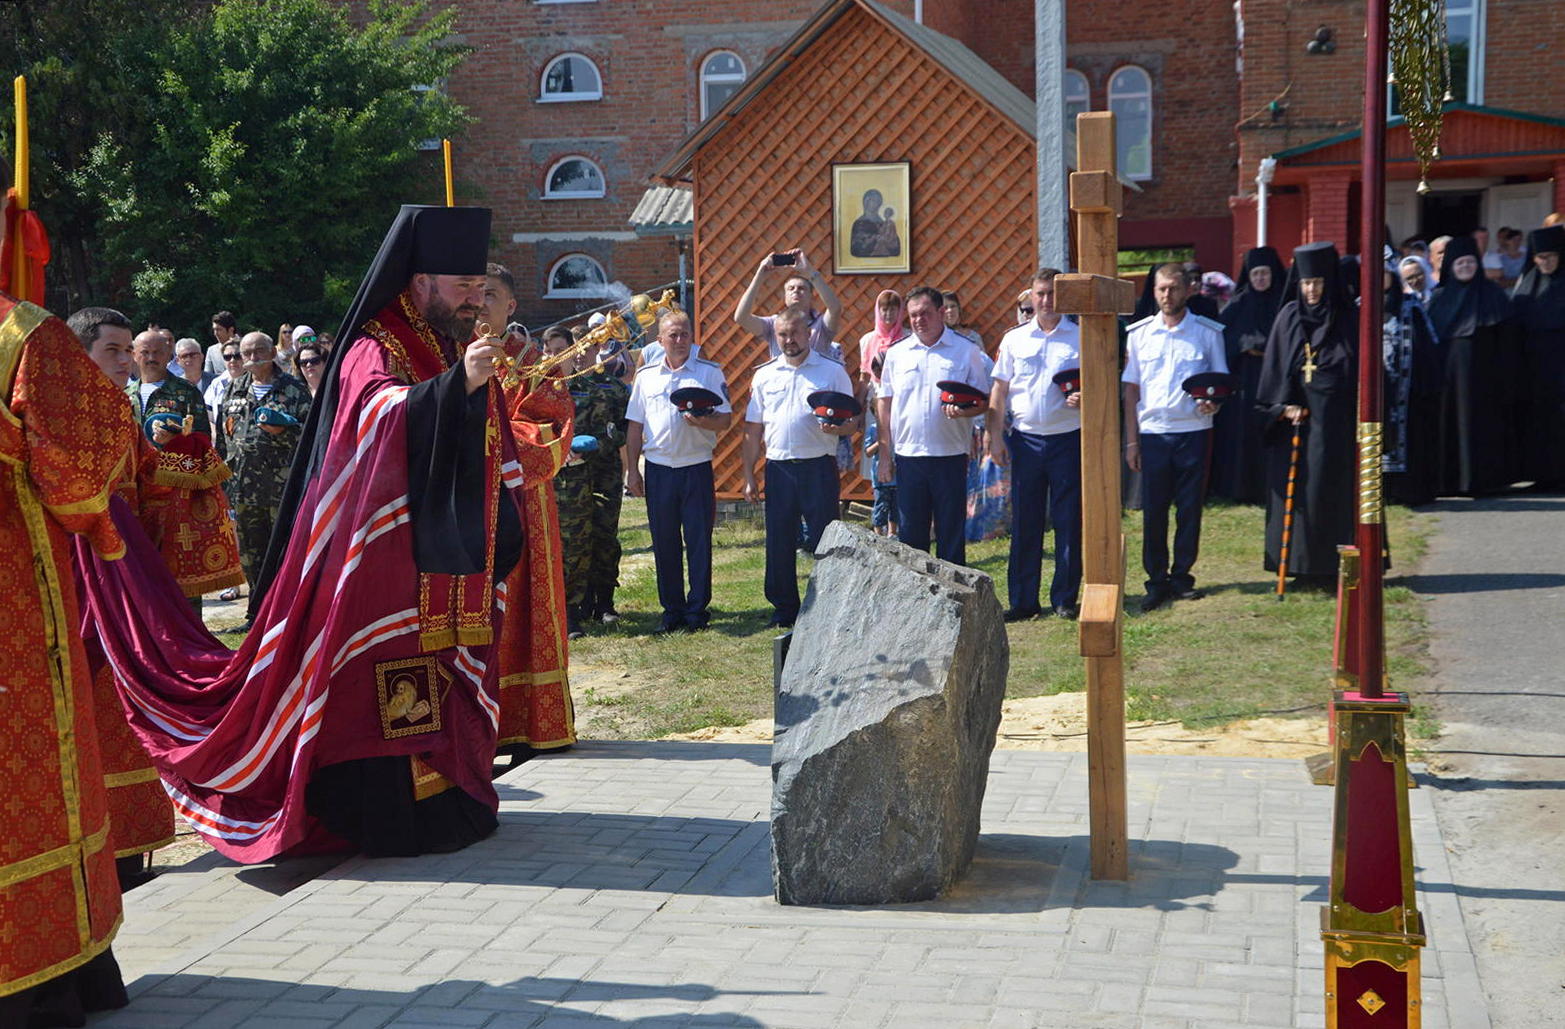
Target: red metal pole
x=1371 y=532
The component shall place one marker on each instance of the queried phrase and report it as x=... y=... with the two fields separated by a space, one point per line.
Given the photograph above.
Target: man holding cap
x=801 y=447
x=1168 y=432
x=928 y=427
x=677 y=431
x=1043 y=449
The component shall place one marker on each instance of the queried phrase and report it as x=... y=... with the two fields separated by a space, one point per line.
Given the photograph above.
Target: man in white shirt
x=678 y=484
x=1168 y=433
x=801 y=463
x=1043 y=448
x=929 y=439
x=798 y=291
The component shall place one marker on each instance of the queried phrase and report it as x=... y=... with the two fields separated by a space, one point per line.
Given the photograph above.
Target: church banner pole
x=445 y=153
x=1371 y=928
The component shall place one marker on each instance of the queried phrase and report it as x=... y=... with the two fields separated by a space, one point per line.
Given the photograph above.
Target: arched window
x=1077 y=98
x=573 y=178
x=1130 y=99
x=570 y=77
x=722 y=73
x=577 y=277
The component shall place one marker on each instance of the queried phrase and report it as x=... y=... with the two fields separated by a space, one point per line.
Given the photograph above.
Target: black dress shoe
x=1190 y=594
x=779 y=622
x=664 y=630
x=1017 y=614
x=1068 y=612
x=1153 y=600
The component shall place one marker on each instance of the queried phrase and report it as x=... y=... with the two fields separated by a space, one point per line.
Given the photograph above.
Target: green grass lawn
x=1235 y=654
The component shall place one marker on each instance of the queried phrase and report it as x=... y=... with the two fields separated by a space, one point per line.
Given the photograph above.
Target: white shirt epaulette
x=1137 y=325
x=648 y=367
x=1210 y=323
x=702 y=360
x=763 y=364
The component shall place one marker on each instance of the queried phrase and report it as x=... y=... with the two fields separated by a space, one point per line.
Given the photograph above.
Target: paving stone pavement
x=629 y=884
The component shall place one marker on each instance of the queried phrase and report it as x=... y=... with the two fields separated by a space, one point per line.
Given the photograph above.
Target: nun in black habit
x=1238 y=465
x=1539 y=304
x=1475 y=427
x=1309 y=382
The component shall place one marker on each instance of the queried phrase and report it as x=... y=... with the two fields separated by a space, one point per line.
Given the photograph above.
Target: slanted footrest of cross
x=1096 y=192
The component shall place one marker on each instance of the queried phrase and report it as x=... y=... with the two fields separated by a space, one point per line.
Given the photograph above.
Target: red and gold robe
x=177 y=495
x=61 y=423
x=535 y=694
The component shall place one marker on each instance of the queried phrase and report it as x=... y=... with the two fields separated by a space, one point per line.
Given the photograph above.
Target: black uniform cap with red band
x=960 y=394
x=1069 y=381
x=696 y=400
x=833 y=408
x=1213 y=386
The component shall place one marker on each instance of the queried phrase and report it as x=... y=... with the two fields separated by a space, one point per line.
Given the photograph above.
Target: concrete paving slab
x=629 y=884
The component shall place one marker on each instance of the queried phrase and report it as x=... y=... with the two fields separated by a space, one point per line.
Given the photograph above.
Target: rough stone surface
x=886 y=717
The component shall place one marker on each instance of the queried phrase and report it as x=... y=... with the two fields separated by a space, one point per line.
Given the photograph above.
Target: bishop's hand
x=481 y=361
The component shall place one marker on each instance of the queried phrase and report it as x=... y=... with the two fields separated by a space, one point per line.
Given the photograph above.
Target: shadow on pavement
x=1479 y=582
x=545 y=999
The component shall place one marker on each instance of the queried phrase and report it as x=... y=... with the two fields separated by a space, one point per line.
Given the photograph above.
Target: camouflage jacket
x=259 y=459
x=173 y=395
x=601 y=400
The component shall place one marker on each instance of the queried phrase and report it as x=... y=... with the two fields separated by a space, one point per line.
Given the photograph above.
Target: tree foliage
x=247 y=155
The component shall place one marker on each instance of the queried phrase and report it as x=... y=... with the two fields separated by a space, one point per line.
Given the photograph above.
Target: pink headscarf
x=872 y=345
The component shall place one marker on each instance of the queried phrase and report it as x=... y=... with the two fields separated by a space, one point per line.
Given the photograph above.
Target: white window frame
x=703 y=77
x=575 y=292
x=424 y=87
x=579 y=95
x=1126 y=95
x=1475 y=54
x=549 y=194
x=1084 y=95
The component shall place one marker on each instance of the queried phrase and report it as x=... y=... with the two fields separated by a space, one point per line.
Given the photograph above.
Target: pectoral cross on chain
x=1309 y=364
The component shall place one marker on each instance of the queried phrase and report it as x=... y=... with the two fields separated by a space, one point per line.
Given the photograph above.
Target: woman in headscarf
x=872 y=353
x=1238 y=467
x=1472 y=318
x=1539 y=304
x=1309 y=385
x=1414 y=364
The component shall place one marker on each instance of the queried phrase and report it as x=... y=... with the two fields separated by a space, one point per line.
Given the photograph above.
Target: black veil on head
x=1261 y=257
x=422 y=240
x=1459 y=309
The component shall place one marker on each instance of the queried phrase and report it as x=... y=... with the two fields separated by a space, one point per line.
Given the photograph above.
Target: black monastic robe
x=1324 y=485
x=1475 y=423
x=1539 y=304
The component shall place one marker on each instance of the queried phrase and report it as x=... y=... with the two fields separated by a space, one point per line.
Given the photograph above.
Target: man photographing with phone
x=799 y=288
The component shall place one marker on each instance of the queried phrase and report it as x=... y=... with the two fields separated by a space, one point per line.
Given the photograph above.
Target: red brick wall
x=649 y=56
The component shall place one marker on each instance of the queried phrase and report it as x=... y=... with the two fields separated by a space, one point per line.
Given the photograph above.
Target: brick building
x=578 y=101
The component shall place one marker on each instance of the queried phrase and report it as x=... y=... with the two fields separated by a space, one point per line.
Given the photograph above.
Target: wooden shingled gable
x=856 y=86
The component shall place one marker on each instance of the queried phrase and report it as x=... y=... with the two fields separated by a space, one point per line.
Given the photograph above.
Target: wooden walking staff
x=1371 y=927
x=1097 y=296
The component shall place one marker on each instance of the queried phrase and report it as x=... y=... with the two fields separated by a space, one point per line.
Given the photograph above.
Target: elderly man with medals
x=362 y=708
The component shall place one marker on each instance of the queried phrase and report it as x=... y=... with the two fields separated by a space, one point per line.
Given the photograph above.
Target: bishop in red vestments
x=362 y=708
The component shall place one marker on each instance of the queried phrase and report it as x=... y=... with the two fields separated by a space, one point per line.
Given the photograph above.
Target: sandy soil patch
x=1059 y=723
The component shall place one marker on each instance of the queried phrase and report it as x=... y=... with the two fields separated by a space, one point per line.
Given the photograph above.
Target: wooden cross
x=1097 y=295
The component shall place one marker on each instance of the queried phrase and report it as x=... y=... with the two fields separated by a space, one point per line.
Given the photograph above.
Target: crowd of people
x=426 y=513
x=1474 y=352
